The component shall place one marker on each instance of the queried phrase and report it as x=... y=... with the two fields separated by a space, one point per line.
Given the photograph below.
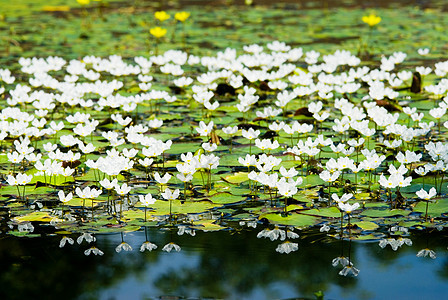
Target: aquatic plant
x=282 y=137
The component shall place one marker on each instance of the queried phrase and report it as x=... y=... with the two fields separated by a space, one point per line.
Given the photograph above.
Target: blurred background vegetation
x=71 y=30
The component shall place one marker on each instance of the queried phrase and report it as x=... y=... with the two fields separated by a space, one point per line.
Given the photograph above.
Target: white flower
x=155 y=123
x=147 y=199
x=348 y=208
x=169 y=195
x=130 y=153
x=87 y=193
x=122 y=190
x=329 y=177
x=423 y=51
x=209 y=147
x=205 y=129
x=184 y=178
x=15 y=157
x=288 y=173
x=422 y=194
x=230 y=130
x=286 y=189
x=21 y=179
x=277 y=126
x=65 y=198
x=266 y=144
x=342 y=199
x=146 y=162
x=107 y=184
x=250 y=134
x=249 y=160
x=162 y=180
x=12 y=180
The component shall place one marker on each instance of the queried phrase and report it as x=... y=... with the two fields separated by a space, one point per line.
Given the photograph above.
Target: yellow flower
x=182 y=16
x=161 y=15
x=371 y=20
x=83 y=2
x=158 y=32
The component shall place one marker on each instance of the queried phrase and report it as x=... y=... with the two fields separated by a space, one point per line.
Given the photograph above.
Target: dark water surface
x=220 y=265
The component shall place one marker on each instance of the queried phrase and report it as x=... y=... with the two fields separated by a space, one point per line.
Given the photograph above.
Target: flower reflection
x=395 y=243
x=349 y=271
x=427 y=252
x=66 y=240
x=147 y=246
x=170 y=246
x=324 y=228
x=249 y=223
x=287 y=247
x=87 y=237
x=342 y=260
x=272 y=234
x=93 y=250
x=185 y=229
x=123 y=246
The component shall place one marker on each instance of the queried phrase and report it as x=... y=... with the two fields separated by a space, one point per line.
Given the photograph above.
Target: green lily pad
x=207 y=225
x=435 y=209
x=36 y=216
x=226 y=198
x=293 y=219
x=384 y=213
x=366 y=225
x=188 y=207
x=237 y=178
x=330 y=212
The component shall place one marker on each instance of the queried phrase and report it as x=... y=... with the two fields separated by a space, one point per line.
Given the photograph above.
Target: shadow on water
x=219 y=265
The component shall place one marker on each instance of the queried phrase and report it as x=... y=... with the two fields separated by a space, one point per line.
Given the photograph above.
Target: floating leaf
x=369 y=237
x=293 y=219
x=435 y=209
x=23 y=234
x=134 y=214
x=207 y=225
x=331 y=212
x=237 y=178
x=37 y=216
x=86 y=203
x=177 y=207
x=226 y=198
x=366 y=225
x=377 y=213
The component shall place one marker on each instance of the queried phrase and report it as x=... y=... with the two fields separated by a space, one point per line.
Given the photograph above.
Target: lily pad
x=385 y=213
x=37 y=216
x=226 y=198
x=435 y=209
x=293 y=219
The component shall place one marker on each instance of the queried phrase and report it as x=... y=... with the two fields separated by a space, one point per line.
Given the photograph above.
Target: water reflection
x=220 y=265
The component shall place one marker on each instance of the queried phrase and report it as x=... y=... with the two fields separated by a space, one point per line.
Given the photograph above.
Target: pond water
x=229 y=265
